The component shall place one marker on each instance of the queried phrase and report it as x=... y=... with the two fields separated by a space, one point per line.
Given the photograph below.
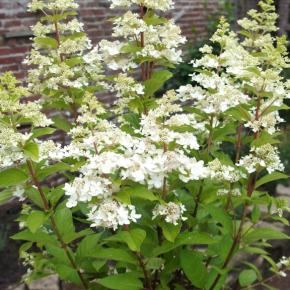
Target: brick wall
x=15 y=22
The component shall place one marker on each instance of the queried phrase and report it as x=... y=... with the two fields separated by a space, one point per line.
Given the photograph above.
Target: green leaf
x=88 y=246
x=193 y=267
x=67 y=273
x=154 y=263
x=170 y=231
x=51 y=169
x=39 y=237
x=115 y=255
x=271 y=177
x=265 y=233
x=5 y=195
x=74 y=61
x=46 y=42
x=255 y=214
x=131 y=47
x=142 y=192
x=138 y=191
x=35 y=220
x=264 y=138
x=220 y=216
x=151 y=18
x=124 y=281
x=156 y=82
x=64 y=222
x=239 y=113
x=34 y=196
x=247 y=277
x=31 y=150
x=59 y=255
x=39 y=132
x=194 y=238
x=57 y=17
x=186 y=238
x=12 y=176
x=54 y=195
x=61 y=123
x=133 y=238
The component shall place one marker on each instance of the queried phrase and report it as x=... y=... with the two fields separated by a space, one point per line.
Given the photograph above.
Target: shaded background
x=198 y=20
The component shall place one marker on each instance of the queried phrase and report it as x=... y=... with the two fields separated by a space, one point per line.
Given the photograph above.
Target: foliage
x=161 y=203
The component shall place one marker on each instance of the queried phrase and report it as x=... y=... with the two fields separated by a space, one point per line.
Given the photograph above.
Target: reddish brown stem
x=239 y=142
x=164 y=189
x=142 y=43
x=48 y=208
x=250 y=189
x=143 y=267
x=232 y=249
x=197 y=199
x=57 y=37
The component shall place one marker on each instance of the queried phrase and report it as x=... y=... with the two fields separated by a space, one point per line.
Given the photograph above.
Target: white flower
x=265 y=156
x=83 y=189
x=233 y=192
x=153 y=4
x=19 y=193
x=112 y=214
x=172 y=212
x=221 y=172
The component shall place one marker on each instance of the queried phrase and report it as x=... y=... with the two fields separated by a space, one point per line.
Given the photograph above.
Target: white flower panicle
x=265 y=156
x=160 y=42
x=171 y=212
x=14 y=113
x=60 y=5
x=162 y=5
x=112 y=214
x=221 y=172
x=59 y=58
x=83 y=189
x=232 y=192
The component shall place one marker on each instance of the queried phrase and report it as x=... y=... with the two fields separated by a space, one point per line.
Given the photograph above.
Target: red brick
x=95 y=14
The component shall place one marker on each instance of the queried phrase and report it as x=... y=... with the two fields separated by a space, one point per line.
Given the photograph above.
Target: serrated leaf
x=193 y=267
x=264 y=138
x=39 y=132
x=264 y=233
x=88 y=246
x=12 y=176
x=239 y=113
x=52 y=169
x=255 y=214
x=5 y=195
x=270 y=177
x=31 y=150
x=170 y=231
x=151 y=18
x=67 y=273
x=133 y=238
x=35 y=220
x=39 y=237
x=137 y=191
x=156 y=82
x=61 y=123
x=115 y=255
x=187 y=238
x=46 y=42
x=124 y=281
x=247 y=277
x=64 y=222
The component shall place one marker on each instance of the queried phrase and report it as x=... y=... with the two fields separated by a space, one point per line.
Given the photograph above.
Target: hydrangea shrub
x=155 y=192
